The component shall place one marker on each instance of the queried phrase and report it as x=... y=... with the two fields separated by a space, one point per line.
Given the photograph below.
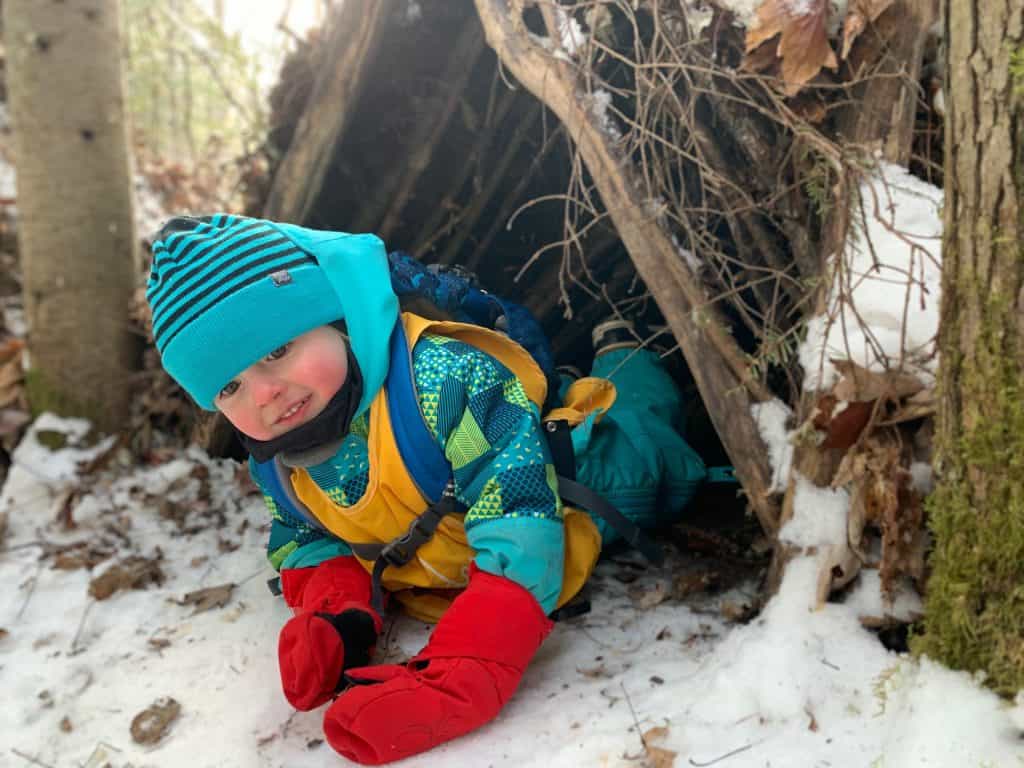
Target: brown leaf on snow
x=131 y=573
x=843 y=422
x=858 y=383
x=882 y=497
x=152 y=723
x=646 y=598
x=208 y=598
x=803 y=43
x=657 y=757
x=861 y=13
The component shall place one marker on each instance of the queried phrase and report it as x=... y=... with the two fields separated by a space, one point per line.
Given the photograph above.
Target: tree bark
x=718 y=365
x=354 y=38
x=75 y=203
x=975 y=604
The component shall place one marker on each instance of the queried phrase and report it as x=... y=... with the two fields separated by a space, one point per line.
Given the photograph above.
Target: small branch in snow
x=31 y=591
x=720 y=759
x=81 y=625
x=30 y=759
x=636 y=720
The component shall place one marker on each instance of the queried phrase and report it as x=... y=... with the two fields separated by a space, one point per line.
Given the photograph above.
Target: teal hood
x=227 y=290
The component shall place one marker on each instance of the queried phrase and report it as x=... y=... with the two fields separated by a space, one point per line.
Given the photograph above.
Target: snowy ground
x=794 y=687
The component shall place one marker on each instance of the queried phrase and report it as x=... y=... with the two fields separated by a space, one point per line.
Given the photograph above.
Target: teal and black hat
x=226 y=291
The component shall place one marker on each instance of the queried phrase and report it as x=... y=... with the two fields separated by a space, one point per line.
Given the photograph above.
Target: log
x=354 y=37
x=718 y=364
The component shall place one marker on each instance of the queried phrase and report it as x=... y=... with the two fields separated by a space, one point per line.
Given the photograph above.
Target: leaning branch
x=718 y=364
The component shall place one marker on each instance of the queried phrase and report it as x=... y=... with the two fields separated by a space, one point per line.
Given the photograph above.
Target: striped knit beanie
x=226 y=291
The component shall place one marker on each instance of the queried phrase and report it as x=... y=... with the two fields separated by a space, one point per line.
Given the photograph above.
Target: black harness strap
x=579 y=495
x=400 y=550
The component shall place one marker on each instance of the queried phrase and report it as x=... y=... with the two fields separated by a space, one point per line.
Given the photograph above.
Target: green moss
x=974 y=611
x=46 y=396
x=1017 y=70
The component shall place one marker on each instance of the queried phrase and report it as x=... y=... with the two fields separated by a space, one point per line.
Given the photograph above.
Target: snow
x=819 y=517
x=600 y=101
x=890 y=273
x=794 y=687
x=771 y=418
x=569 y=32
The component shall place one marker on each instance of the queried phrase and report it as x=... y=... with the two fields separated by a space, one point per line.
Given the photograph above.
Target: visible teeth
x=292 y=411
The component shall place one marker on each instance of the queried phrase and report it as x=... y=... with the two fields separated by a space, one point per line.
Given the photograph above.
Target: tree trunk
x=975 y=603
x=74 y=201
x=354 y=38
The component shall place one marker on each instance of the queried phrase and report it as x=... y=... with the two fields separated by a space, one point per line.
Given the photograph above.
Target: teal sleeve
x=491 y=436
x=531 y=552
x=315 y=552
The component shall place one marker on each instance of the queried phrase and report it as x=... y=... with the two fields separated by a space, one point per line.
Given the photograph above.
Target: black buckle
x=394 y=552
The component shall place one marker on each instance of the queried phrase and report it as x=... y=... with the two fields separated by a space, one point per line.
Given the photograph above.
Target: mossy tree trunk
x=975 y=604
x=76 y=231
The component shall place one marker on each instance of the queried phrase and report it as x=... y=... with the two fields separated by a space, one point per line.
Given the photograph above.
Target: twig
x=81 y=625
x=30 y=759
x=31 y=590
x=636 y=720
x=723 y=757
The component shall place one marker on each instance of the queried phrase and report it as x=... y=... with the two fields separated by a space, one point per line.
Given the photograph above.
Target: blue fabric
x=226 y=290
x=529 y=551
x=423 y=455
x=315 y=553
x=636 y=456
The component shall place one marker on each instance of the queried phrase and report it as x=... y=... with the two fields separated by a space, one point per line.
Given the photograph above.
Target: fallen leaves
x=859 y=15
x=658 y=757
x=208 y=598
x=135 y=572
x=152 y=723
x=803 y=46
x=800 y=28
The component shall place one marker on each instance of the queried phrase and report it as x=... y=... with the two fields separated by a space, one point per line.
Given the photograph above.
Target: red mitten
x=461 y=680
x=334 y=628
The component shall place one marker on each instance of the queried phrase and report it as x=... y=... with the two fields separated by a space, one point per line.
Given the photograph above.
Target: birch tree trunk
x=975 y=603
x=74 y=200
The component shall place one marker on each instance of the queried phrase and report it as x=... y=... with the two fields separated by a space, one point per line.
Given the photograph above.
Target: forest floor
x=180 y=671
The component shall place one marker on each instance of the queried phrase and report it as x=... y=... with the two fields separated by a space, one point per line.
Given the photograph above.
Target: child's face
x=288 y=387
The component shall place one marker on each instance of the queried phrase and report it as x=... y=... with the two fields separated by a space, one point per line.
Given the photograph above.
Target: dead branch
x=718 y=364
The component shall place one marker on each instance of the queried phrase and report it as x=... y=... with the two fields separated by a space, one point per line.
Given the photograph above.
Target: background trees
x=77 y=235
x=975 y=608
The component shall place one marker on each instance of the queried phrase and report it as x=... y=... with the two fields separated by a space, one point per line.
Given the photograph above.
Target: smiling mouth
x=293 y=411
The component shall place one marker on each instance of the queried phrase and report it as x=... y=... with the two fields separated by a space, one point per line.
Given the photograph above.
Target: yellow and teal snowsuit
x=479 y=394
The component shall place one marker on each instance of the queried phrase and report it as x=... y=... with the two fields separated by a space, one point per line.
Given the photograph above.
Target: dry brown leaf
x=594 y=672
x=915 y=407
x=842 y=426
x=660 y=758
x=860 y=14
x=208 y=598
x=803 y=43
x=646 y=598
x=131 y=573
x=657 y=757
x=858 y=383
x=152 y=723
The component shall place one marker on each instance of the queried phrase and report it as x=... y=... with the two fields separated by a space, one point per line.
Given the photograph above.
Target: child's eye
x=280 y=352
x=228 y=390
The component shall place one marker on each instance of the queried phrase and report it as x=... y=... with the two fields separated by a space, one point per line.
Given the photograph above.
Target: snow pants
x=636 y=456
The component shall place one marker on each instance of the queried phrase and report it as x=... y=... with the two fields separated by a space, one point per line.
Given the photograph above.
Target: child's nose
x=265 y=389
